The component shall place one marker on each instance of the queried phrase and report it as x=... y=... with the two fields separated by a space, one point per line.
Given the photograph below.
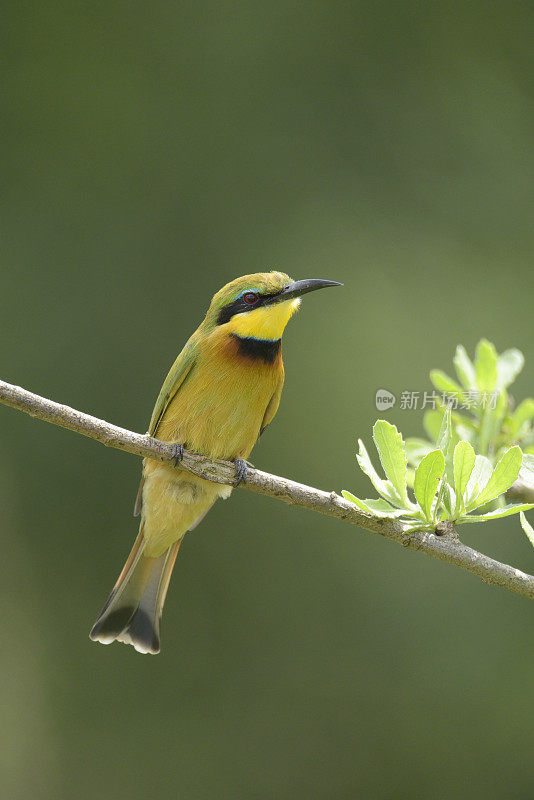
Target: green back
x=174 y=380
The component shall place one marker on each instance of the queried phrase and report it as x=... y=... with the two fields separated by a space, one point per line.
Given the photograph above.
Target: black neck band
x=258 y=349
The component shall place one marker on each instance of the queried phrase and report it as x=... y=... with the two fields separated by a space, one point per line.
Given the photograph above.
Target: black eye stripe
x=241 y=305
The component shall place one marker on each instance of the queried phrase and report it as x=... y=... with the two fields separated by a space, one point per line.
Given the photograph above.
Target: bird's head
x=260 y=305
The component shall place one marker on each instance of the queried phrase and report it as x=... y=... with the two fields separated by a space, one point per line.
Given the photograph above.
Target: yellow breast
x=220 y=408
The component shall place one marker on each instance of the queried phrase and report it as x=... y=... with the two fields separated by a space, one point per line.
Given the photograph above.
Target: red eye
x=250 y=298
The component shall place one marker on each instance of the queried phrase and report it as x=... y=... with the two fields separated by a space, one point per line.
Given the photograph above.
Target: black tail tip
x=142 y=633
x=109 y=626
x=130 y=626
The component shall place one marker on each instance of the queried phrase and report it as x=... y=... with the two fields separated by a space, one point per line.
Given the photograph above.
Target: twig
x=446 y=546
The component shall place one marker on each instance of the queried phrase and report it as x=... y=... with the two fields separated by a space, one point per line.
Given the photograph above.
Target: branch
x=444 y=544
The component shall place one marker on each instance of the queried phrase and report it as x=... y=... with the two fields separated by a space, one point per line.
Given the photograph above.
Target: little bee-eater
x=219 y=396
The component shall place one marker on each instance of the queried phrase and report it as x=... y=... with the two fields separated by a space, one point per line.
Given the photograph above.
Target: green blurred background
x=151 y=152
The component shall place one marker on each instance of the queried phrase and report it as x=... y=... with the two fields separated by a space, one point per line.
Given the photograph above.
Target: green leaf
x=505 y=511
x=416 y=526
x=490 y=421
x=416 y=449
x=427 y=477
x=527 y=527
x=509 y=365
x=445 y=433
x=486 y=366
x=464 y=368
x=479 y=477
x=384 y=488
x=524 y=413
x=464 y=461
x=392 y=452
x=526 y=473
x=443 y=383
x=465 y=432
x=432 y=423
x=448 y=501
x=378 y=508
x=505 y=473
x=447 y=437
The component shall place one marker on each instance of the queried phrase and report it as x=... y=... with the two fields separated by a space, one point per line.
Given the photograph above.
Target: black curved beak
x=298 y=288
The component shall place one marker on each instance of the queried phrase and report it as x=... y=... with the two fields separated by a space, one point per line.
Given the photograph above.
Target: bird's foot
x=241 y=471
x=177 y=453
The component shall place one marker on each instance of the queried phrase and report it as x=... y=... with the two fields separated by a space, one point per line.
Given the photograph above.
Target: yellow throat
x=266 y=322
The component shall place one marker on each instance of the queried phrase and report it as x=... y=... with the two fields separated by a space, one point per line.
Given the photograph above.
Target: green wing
x=174 y=380
x=272 y=406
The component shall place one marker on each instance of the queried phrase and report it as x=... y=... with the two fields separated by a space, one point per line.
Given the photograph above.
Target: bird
x=221 y=393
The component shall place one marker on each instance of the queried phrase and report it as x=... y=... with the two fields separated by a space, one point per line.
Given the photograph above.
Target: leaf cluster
x=473 y=453
x=450 y=482
x=483 y=412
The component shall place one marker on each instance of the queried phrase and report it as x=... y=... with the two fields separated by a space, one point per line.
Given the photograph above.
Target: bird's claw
x=177 y=453
x=241 y=471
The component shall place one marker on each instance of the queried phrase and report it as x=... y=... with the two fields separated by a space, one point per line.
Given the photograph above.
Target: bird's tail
x=133 y=611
